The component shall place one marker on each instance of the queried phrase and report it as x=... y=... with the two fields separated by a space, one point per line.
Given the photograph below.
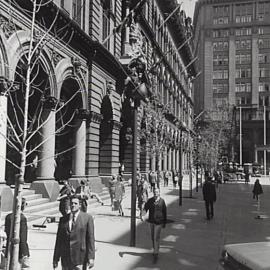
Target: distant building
x=232 y=41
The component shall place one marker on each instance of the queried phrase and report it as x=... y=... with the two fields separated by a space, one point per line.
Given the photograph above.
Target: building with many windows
x=232 y=43
x=83 y=57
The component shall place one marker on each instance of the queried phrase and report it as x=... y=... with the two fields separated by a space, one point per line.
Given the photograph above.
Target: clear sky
x=188 y=6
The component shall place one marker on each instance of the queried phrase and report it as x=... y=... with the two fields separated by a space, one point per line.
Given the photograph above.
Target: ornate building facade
x=79 y=114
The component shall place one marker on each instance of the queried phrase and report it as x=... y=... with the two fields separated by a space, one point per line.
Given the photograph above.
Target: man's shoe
x=155 y=258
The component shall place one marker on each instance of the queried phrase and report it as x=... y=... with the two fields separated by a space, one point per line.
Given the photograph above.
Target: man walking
x=209 y=196
x=75 y=240
x=157 y=219
x=23 y=245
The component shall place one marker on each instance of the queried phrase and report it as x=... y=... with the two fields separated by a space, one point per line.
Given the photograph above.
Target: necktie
x=73 y=222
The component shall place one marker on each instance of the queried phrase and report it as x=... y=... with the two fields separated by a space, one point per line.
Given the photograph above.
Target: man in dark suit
x=75 y=240
x=209 y=196
x=23 y=246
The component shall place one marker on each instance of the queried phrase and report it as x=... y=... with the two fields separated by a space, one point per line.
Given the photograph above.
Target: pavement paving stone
x=189 y=242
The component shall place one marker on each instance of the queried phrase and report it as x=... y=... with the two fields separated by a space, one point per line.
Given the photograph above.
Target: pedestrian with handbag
x=119 y=194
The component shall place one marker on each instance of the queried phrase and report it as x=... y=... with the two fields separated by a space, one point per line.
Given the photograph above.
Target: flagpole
x=178 y=49
x=178 y=6
x=192 y=61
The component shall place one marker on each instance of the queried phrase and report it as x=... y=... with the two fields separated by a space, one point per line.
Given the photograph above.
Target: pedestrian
x=166 y=178
x=174 y=178
x=95 y=195
x=24 y=253
x=138 y=176
x=75 y=239
x=64 y=197
x=142 y=194
x=246 y=177
x=257 y=189
x=209 y=196
x=84 y=194
x=111 y=185
x=157 y=219
x=152 y=180
x=159 y=178
x=119 y=194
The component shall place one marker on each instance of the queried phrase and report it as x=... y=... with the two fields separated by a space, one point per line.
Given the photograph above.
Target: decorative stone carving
x=83 y=114
x=76 y=64
x=56 y=57
x=95 y=117
x=117 y=125
x=109 y=87
x=137 y=42
x=49 y=102
x=7 y=26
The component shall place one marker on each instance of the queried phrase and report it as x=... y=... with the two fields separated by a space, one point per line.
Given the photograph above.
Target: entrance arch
x=39 y=87
x=105 y=137
x=70 y=132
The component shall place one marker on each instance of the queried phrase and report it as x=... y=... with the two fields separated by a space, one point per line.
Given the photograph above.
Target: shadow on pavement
x=189 y=241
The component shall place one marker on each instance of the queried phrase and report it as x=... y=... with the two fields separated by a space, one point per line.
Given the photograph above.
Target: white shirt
x=71 y=217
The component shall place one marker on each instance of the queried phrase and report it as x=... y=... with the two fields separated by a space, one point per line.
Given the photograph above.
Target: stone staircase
x=38 y=208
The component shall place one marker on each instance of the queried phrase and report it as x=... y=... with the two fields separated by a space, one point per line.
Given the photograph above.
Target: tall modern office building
x=232 y=42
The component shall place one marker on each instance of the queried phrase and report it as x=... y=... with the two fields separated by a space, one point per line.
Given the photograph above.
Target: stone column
x=3 y=134
x=45 y=184
x=115 y=146
x=79 y=150
x=153 y=162
x=173 y=159
x=165 y=162
x=177 y=160
x=256 y=154
x=92 y=144
x=46 y=164
x=170 y=159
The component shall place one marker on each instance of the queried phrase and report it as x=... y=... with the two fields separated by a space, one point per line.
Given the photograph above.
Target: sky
x=188 y=6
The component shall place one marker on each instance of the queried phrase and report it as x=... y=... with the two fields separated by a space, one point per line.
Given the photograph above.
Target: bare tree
x=214 y=133
x=154 y=135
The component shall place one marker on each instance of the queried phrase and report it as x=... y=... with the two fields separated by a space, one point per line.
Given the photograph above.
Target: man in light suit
x=75 y=240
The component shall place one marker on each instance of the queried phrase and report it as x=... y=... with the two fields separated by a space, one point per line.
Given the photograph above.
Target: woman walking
x=119 y=194
x=112 y=186
x=257 y=190
x=142 y=194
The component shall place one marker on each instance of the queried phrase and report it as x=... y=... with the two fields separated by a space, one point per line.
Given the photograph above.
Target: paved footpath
x=188 y=242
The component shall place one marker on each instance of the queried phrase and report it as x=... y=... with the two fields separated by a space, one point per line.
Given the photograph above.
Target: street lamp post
x=135 y=90
x=134 y=175
x=264 y=138
x=240 y=137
